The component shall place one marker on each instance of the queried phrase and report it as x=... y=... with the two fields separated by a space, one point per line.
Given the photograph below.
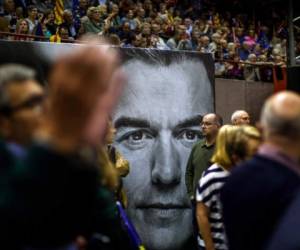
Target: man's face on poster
x=157 y=123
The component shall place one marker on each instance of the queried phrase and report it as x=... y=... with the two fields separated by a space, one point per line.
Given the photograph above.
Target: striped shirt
x=208 y=192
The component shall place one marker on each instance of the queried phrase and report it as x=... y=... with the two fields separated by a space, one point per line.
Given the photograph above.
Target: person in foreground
x=234 y=144
x=258 y=192
x=53 y=195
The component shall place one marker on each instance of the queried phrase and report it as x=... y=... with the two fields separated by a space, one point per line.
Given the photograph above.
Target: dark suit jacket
x=47 y=199
x=286 y=236
x=254 y=198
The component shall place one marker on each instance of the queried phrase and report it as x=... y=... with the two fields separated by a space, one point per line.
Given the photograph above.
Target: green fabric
x=92 y=27
x=199 y=160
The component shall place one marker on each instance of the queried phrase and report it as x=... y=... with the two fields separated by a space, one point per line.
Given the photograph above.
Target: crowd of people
x=243 y=45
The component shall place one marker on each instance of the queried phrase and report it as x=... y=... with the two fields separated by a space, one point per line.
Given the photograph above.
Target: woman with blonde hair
x=22 y=28
x=234 y=144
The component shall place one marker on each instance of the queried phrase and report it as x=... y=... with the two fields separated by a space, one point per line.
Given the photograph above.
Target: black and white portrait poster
x=157 y=121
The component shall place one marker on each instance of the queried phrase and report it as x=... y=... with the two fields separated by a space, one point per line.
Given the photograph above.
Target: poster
x=157 y=122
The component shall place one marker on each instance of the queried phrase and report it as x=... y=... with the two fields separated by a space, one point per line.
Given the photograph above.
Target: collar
x=203 y=144
x=274 y=153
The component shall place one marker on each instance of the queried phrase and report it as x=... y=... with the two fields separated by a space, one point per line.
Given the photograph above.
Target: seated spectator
x=68 y=22
x=239 y=35
x=9 y=14
x=263 y=38
x=79 y=12
x=250 y=38
x=244 y=51
x=212 y=47
x=204 y=44
x=130 y=18
x=125 y=34
x=251 y=71
x=22 y=28
x=92 y=24
x=265 y=69
x=179 y=40
x=48 y=23
x=113 y=20
x=234 y=69
x=61 y=34
x=156 y=40
x=4 y=27
x=195 y=39
x=32 y=18
x=114 y=39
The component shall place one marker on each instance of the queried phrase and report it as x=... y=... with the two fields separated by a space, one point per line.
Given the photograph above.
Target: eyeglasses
x=206 y=124
x=33 y=102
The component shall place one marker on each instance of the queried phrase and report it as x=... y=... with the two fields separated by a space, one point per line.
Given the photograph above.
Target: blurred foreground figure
x=21 y=98
x=54 y=194
x=286 y=237
x=258 y=192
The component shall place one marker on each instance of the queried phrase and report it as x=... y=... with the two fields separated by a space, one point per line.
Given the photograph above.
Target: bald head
x=281 y=116
x=240 y=117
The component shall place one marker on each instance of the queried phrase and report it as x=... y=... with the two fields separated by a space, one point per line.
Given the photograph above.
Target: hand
x=84 y=87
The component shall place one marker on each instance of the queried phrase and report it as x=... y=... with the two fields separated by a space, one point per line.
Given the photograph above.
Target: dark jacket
x=254 y=198
x=48 y=199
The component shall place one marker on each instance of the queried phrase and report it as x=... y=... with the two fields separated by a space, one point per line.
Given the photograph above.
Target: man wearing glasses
x=201 y=153
x=199 y=159
x=21 y=98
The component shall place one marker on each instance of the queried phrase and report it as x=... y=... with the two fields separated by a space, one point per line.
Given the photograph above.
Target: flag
x=58 y=11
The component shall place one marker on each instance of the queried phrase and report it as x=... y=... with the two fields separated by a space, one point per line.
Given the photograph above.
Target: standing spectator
x=233 y=145
x=240 y=117
x=199 y=159
x=258 y=192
